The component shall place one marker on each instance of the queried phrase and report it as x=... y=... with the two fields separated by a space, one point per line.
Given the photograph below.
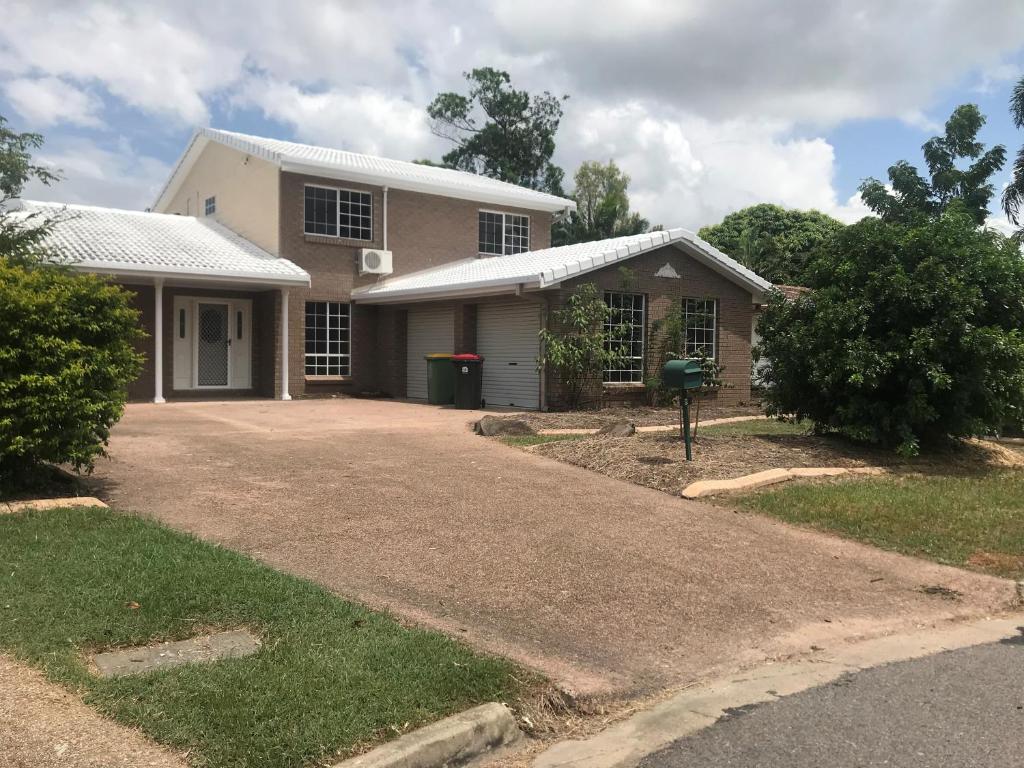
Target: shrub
x=66 y=358
x=578 y=345
x=912 y=334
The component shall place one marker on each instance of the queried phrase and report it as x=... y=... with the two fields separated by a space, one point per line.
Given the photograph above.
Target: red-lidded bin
x=469 y=381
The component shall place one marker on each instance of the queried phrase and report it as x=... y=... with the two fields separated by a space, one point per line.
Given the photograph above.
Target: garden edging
x=453 y=741
x=770 y=477
x=657 y=428
x=72 y=501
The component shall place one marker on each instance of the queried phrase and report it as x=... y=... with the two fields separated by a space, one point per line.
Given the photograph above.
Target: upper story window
x=624 y=327
x=345 y=213
x=210 y=206
x=502 y=234
x=700 y=323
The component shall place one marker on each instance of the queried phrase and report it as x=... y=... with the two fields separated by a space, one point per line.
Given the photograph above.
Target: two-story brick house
x=281 y=269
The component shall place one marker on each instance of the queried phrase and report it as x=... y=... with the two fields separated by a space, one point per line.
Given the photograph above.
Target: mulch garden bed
x=642 y=416
x=658 y=460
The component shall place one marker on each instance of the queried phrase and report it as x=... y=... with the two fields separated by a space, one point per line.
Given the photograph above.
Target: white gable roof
x=134 y=243
x=352 y=166
x=547 y=267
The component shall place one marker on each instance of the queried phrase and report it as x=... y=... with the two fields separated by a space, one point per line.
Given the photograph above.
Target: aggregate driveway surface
x=609 y=588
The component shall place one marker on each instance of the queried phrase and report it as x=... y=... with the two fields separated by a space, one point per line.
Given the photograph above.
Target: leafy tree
x=775 y=242
x=578 y=345
x=66 y=339
x=1013 y=195
x=602 y=206
x=500 y=132
x=951 y=179
x=911 y=334
x=21 y=235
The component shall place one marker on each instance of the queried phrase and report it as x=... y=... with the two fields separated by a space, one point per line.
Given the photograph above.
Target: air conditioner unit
x=374 y=262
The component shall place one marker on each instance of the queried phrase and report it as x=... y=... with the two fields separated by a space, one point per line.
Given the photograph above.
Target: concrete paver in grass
x=135 y=661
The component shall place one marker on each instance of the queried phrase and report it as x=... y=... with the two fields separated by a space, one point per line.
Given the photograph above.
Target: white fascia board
x=181 y=169
x=380 y=180
x=477 y=288
x=246 y=278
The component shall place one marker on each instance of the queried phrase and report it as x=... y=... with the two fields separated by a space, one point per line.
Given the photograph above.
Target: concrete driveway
x=609 y=588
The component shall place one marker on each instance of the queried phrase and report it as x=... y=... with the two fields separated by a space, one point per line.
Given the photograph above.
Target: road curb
x=625 y=744
x=453 y=741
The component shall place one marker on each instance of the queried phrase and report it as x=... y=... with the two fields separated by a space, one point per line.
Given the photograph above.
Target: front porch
x=212 y=341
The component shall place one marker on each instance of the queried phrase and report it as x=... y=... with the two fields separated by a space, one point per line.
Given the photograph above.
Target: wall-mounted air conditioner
x=373 y=261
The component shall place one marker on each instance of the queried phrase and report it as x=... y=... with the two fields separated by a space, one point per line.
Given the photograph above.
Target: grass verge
x=975 y=521
x=331 y=677
x=755 y=427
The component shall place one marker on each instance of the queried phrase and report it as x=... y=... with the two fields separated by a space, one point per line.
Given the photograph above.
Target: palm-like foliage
x=1013 y=195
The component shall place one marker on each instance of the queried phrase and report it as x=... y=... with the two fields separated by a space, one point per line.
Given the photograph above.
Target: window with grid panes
x=502 y=234
x=345 y=213
x=328 y=350
x=624 y=330
x=700 y=322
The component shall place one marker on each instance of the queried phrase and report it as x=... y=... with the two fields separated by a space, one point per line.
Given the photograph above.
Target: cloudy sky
x=709 y=105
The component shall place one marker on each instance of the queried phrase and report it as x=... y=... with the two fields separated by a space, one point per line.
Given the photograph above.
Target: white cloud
x=688 y=171
x=115 y=176
x=361 y=120
x=46 y=101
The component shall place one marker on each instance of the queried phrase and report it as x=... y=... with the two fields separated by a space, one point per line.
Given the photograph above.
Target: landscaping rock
x=492 y=426
x=618 y=429
x=133 y=661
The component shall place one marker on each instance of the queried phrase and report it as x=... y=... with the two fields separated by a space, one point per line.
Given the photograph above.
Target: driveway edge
x=625 y=744
x=453 y=741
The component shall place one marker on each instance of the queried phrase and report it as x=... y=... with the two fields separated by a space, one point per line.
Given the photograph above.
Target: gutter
x=242 y=278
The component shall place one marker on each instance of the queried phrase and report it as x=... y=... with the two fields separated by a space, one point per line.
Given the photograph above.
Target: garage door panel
x=429 y=330
x=507 y=337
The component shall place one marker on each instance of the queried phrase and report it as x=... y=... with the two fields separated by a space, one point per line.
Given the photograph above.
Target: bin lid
x=438 y=356
x=467 y=357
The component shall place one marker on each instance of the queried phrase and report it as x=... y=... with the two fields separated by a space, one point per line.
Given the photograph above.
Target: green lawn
x=973 y=520
x=331 y=675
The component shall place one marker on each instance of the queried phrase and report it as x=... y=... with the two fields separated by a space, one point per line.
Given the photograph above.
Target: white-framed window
x=700 y=328
x=328 y=343
x=624 y=330
x=210 y=206
x=502 y=234
x=335 y=212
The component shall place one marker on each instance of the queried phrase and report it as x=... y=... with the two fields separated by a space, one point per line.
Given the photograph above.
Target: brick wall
x=664 y=293
x=423 y=231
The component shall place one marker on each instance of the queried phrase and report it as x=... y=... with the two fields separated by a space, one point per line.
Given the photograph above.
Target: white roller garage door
x=430 y=330
x=506 y=336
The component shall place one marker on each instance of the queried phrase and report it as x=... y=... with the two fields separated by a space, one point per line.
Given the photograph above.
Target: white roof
x=352 y=166
x=128 y=243
x=547 y=267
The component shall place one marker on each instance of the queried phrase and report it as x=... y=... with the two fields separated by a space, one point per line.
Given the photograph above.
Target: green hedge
x=67 y=355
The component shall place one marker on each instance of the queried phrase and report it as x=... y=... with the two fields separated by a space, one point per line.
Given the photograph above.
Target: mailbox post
x=683 y=375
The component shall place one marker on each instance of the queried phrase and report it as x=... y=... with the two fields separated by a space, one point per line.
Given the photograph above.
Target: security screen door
x=212 y=346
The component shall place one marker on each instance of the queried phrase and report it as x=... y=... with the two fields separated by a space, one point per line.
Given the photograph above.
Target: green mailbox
x=682 y=374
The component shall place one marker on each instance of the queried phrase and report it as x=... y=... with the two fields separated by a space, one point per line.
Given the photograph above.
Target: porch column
x=158 y=340
x=284 y=345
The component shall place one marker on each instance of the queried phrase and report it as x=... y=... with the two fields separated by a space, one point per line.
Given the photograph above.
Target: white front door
x=507 y=336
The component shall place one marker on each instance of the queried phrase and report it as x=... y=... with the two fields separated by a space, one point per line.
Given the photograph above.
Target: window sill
x=329 y=240
x=623 y=385
x=327 y=378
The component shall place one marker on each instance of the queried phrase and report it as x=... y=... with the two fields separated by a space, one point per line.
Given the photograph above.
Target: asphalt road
x=959 y=709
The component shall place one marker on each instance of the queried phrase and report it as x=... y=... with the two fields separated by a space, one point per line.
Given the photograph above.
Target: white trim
x=284 y=345
x=158 y=341
x=337 y=213
x=246 y=278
